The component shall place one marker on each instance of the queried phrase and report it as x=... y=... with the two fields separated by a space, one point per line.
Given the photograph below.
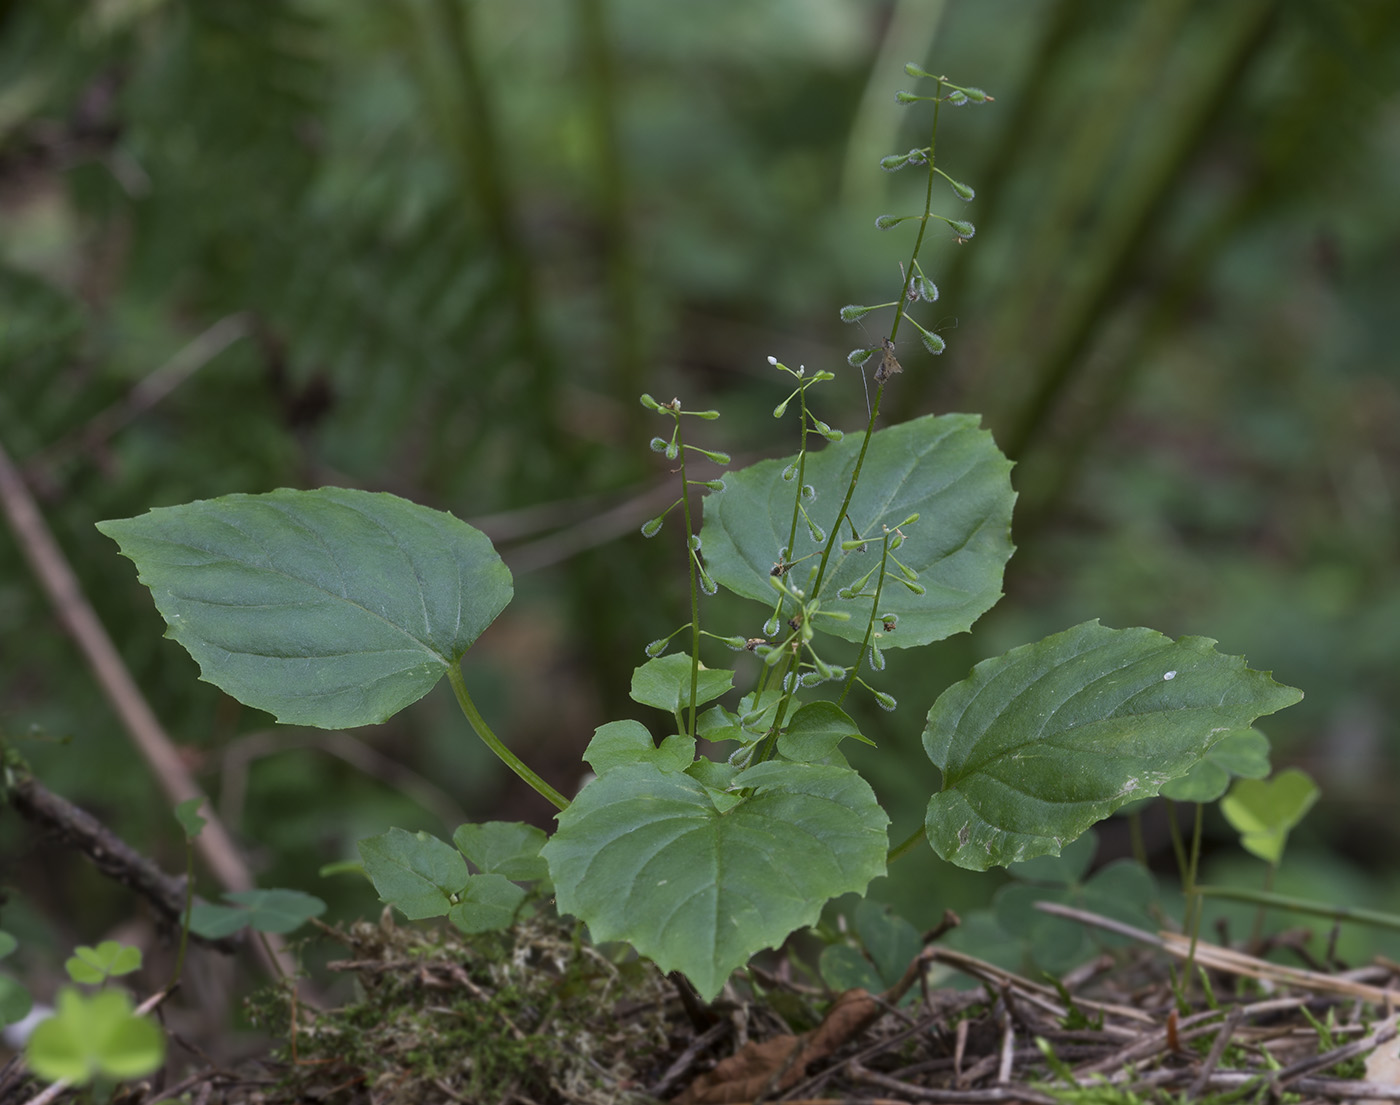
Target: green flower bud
x=915 y=71
x=963 y=191
x=658 y=444
x=962 y=228
x=885 y=701
x=857 y=357
x=894 y=162
x=852 y=311
x=656 y=648
x=652 y=526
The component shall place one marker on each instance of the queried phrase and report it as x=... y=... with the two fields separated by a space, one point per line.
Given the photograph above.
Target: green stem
x=694 y=586
x=894 y=329
x=493 y=742
x=1301 y=905
x=899 y=849
x=185 y=918
x=870 y=626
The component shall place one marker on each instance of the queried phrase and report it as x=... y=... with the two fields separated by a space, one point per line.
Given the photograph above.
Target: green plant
x=337 y=608
x=98 y=1036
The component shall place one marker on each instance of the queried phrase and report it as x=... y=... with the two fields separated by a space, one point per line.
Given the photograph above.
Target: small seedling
x=91 y=1037
x=110 y=959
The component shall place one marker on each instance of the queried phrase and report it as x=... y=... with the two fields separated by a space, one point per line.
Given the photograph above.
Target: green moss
x=532 y=1012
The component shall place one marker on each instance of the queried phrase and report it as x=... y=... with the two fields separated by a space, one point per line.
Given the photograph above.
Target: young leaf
x=414 y=872
x=277 y=911
x=109 y=959
x=623 y=743
x=644 y=856
x=332 y=608
x=1264 y=813
x=665 y=683
x=507 y=848
x=187 y=814
x=816 y=731
x=946 y=469
x=91 y=1036
x=1037 y=745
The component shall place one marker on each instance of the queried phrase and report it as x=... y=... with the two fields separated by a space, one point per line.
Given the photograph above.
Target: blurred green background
x=438 y=247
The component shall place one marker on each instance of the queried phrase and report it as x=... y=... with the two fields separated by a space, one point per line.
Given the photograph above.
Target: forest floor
x=537 y=1016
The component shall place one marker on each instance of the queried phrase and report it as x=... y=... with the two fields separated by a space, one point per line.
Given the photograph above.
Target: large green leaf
x=946 y=469
x=1037 y=745
x=332 y=608
x=644 y=855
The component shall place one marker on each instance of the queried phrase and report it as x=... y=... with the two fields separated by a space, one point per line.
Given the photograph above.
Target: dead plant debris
x=538 y=1016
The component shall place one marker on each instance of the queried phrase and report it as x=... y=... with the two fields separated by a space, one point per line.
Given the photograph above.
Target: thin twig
x=111 y=855
x=61 y=585
x=149 y=391
x=1217 y=1051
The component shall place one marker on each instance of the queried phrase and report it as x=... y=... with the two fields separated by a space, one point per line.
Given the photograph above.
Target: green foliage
x=275 y=911
x=338 y=607
x=945 y=469
x=423 y=877
x=1059 y=734
x=1264 y=813
x=1017 y=935
x=96 y=1036
x=377 y=597
x=15 y=1000
x=108 y=959
x=884 y=946
x=699 y=877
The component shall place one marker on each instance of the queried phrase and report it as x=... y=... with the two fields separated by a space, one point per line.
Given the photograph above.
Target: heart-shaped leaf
x=97 y=1035
x=1264 y=813
x=643 y=855
x=946 y=469
x=1037 y=745
x=332 y=608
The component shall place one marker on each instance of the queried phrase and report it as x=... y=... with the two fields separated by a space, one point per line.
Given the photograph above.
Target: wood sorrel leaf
x=1264 y=813
x=332 y=608
x=1037 y=745
x=946 y=469
x=643 y=855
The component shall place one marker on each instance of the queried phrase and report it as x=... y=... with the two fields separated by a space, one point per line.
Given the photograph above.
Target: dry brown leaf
x=780 y=1062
